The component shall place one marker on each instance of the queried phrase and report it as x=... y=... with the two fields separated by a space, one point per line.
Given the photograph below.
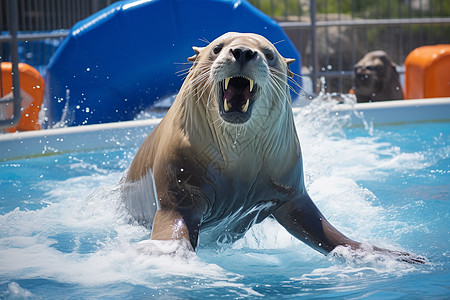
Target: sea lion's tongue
x=237 y=92
x=229 y=93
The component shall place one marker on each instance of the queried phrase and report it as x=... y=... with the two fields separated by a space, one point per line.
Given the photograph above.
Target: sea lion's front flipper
x=175 y=225
x=302 y=219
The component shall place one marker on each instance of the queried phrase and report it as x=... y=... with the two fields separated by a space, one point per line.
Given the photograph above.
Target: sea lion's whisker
x=294 y=82
x=183 y=72
x=210 y=96
x=207 y=86
x=289 y=87
x=277 y=86
x=204 y=40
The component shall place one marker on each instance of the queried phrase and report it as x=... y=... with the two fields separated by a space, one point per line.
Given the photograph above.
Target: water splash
x=83 y=235
x=15 y=291
x=92 y=235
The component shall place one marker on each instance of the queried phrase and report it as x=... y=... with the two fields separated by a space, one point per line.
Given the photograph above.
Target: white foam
x=15 y=291
x=89 y=208
x=266 y=235
x=351 y=264
x=327 y=151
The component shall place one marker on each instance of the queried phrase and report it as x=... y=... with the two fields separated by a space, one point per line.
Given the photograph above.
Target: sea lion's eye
x=217 y=49
x=374 y=68
x=269 y=56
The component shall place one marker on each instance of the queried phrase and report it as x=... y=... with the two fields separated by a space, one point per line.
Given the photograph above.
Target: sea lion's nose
x=358 y=69
x=243 y=54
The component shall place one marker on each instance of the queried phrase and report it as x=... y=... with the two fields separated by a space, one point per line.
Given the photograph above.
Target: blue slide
x=129 y=55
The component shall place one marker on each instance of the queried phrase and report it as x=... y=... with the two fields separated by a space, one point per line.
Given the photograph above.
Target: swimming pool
x=65 y=234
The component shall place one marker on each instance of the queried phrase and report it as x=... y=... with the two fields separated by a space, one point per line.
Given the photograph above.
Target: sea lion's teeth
x=244 y=108
x=225 y=105
x=251 y=85
x=227 y=80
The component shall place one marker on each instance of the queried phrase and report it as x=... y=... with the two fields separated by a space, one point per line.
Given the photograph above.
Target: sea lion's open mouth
x=236 y=98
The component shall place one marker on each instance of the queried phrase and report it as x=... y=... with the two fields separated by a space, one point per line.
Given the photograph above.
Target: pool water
x=65 y=234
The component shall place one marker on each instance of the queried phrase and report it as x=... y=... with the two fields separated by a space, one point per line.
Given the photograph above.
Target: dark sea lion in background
x=227 y=154
x=376 y=78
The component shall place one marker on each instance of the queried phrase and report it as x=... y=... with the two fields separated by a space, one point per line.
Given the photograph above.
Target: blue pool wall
x=131 y=54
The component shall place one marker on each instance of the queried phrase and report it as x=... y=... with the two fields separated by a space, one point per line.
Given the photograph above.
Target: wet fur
x=376 y=78
x=222 y=178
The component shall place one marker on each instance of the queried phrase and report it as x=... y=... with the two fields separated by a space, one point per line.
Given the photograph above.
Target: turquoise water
x=65 y=234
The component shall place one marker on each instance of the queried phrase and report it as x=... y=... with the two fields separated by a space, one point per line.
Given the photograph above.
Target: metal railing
x=331 y=35
x=16 y=98
x=30 y=32
x=315 y=68
x=42 y=26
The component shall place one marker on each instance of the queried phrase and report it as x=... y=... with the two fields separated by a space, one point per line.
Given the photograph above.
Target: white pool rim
x=130 y=134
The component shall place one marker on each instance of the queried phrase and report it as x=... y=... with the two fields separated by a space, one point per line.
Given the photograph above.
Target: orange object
x=427 y=72
x=31 y=91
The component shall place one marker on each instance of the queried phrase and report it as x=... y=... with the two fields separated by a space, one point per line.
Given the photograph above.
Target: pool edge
x=21 y=145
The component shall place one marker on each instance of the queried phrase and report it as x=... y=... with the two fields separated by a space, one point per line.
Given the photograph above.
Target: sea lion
x=227 y=154
x=376 y=78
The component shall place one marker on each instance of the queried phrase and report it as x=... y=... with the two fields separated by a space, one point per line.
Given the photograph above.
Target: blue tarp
x=127 y=56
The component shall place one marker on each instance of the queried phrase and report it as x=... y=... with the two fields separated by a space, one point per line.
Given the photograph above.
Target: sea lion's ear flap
x=197 y=51
x=289 y=61
x=394 y=67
